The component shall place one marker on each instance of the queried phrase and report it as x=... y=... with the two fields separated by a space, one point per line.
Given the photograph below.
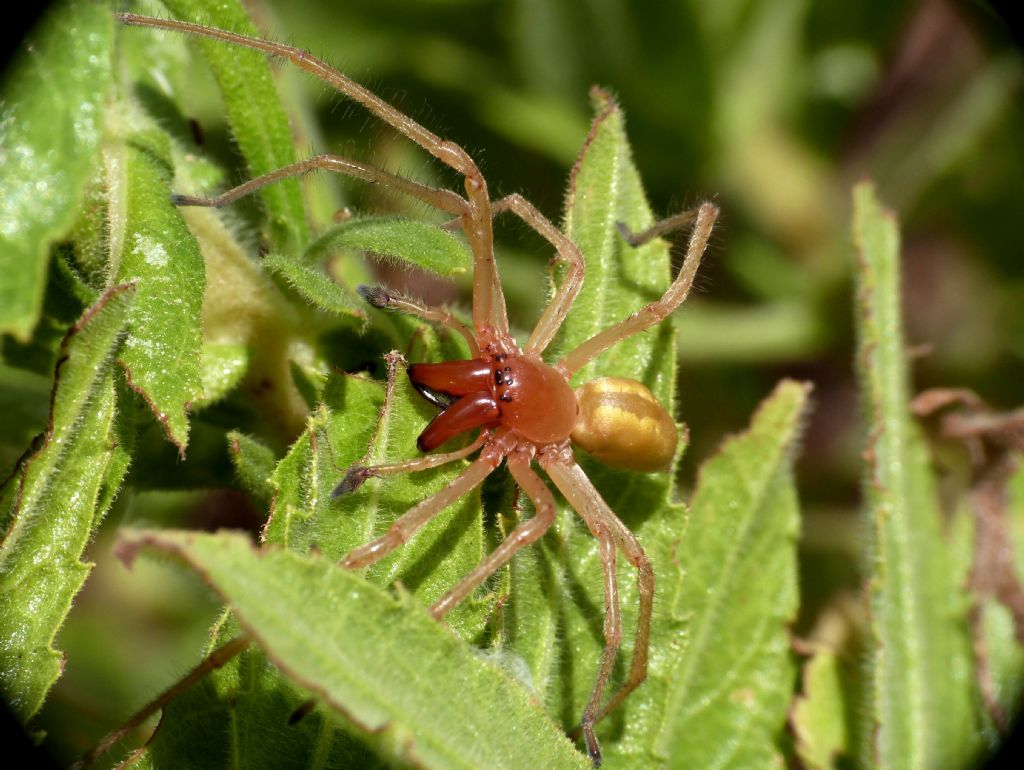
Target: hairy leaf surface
x=53 y=103
x=363 y=652
x=153 y=247
x=406 y=240
x=55 y=499
x=921 y=703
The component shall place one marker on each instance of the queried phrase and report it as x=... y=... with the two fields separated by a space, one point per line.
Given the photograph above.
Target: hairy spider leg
x=656 y=311
x=567 y=251
x=384 y=298
x=438 y=197
x=409 y=523
x=488 y=301
x=357 y=474
x=661 y=227
x=559 y=304
x=474 y=211
x=610 y=532
x=526 y=533
x=445 y=200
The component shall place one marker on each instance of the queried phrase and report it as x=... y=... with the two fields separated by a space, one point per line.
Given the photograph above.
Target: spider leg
x=499 y=206
x=488 y=313
x=645 y=590
x=661 y=227
x=447 y=152
x=439 y=198
x=577 y=489
x=389 y=299
x=409 y=523
x=566 y=251
x=658 y=310
x=612 y=641
x=526 y=533
x=357 y=474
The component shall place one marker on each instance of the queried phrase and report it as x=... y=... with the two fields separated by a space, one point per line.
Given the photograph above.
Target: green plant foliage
x=159 y=253
x=408 y=241
x=48 y=142
x=727 y=591
x=254 y=463
x=56 y=498
x=186 y=368
x=819 y=720
x=922 y=710
x=314 y=285
x=362 y=653
x=1006 y=654
x=221 y=366
x=363 y=421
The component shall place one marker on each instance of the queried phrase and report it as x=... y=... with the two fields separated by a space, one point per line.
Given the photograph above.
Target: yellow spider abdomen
x=621 y=423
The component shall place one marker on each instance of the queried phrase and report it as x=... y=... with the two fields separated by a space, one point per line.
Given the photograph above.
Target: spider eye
x=621 y=423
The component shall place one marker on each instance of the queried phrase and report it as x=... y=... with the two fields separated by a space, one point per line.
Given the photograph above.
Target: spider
x=524 y=407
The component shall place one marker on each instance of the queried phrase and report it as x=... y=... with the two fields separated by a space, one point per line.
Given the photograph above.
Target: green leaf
x=921 y=712
x=727 y=593
x=152 y=246
x=53 y=109
x=258 y=120
x=248 y=320
x=363 y=654
x=417 y=243
x=314 y=285
x=820 y=715
x=254 y=464
x=359 y=420
x=1005 y=652
x=51 y=506
x=605 y=190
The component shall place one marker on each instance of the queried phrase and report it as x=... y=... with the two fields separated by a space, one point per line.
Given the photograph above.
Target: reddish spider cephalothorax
x=524 y=407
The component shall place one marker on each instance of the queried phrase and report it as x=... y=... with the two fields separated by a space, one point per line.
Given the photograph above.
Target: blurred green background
x=773 y=108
